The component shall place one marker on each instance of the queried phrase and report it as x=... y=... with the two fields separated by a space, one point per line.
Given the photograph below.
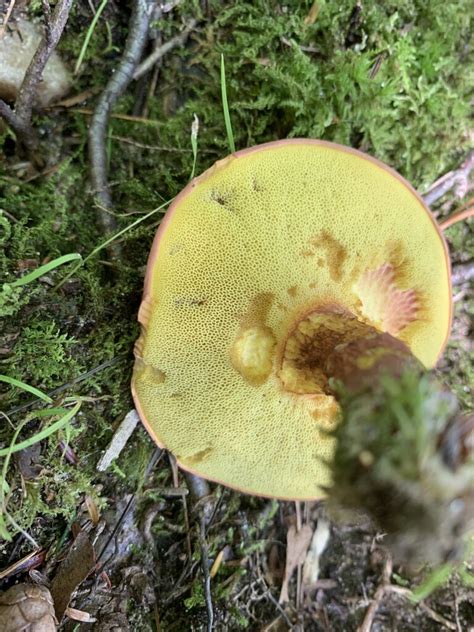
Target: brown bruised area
x=309 y=345
x=335 y=253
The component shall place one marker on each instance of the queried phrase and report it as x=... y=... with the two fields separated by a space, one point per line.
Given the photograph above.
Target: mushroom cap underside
x=269 y=246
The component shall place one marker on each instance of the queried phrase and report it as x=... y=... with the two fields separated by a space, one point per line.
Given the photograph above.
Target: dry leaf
x=28 y=461
x=80 y=615
x=72 y=572
x=297 y=543
x=313 y=14
x=92 y=510
x=276 y=564
x=217 y=563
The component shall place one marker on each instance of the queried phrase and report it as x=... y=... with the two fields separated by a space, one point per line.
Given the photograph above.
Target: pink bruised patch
x=387 y=307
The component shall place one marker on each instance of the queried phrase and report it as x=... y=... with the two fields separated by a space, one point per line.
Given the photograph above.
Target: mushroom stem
x=363 y=362
x=404 y=452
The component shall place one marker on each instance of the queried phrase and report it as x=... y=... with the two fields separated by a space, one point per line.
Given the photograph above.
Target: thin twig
x=10 y=117
x=161 y=51
x=299 y=569
x=366 y=624
x=198 y=487
x=135 y=44
x=201 y=494
x=458 y=178
x=27 y=92
x=386 y=587
x=406 y=592
x=462 y=273
x=3 y=28
x=466 y=211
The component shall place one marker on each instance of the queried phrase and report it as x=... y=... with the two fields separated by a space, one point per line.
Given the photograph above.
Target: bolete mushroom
x=261 y=267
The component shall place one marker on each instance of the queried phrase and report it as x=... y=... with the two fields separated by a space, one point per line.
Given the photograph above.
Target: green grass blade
x=43 y=434
x=466 y=576
x=434 y=580
x=89 y=34
x=225 y=107
x=48 y=412
x=26 y=387
x=108 y=241
x=4 y=535
x=42 y=270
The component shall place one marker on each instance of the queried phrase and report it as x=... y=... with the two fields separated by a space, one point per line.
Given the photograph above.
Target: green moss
x=43 y=356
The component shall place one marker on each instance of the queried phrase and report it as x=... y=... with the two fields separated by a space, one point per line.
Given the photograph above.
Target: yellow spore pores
x=261 y=266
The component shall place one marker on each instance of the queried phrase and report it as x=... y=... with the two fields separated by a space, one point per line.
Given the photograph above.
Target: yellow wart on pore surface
x=252 y=354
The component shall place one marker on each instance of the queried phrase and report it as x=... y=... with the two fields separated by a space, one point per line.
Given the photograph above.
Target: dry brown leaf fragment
x=217 y=563
x=27 y=608
x=28 y=461
x=92 y=510
x=313 y=13
x=72 y=572
x=80 y=615
x=297 y=543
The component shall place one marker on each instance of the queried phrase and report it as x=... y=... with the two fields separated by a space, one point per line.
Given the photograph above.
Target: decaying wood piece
x=457 y=180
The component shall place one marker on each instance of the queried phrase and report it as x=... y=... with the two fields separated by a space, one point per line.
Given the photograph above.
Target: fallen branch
x=160 y=52
x=366 y=625
x=458 y=179
x=3 y=28
x=19 y=118
x=384 y=588
x=466 y=211
x=462 y=273
x=134 y=47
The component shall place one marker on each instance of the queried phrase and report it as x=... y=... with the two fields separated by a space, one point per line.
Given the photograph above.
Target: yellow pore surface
x=254 y=245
